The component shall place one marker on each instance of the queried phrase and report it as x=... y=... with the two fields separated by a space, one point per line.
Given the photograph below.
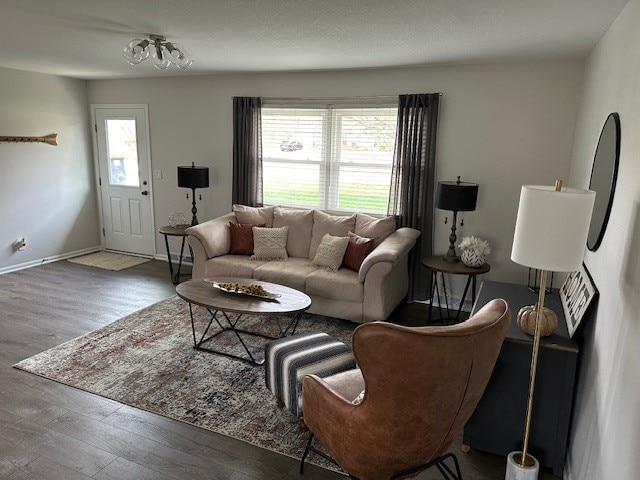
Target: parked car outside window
x=290 y=145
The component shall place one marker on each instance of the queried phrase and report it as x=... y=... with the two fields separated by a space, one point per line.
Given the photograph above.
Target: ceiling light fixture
x=164 y=53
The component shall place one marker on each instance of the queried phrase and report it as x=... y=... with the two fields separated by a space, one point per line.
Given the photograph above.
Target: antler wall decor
x=48 y=139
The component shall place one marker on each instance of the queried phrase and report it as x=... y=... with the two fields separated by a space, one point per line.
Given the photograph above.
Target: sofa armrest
x=214 y=235
x=393 y=248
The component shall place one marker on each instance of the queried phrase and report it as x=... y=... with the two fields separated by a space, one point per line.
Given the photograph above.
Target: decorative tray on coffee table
x=251 y=290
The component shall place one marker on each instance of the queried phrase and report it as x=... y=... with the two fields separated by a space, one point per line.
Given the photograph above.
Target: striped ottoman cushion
x=289 y=359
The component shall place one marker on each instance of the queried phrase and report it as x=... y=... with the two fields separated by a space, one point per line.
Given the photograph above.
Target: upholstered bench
x=289 y=359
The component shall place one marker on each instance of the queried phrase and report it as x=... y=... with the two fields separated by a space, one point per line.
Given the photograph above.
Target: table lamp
x=457 y=197
x=193 y=177
x=550 y=235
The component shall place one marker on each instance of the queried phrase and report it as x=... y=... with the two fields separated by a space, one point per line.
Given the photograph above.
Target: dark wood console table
x=498 y=422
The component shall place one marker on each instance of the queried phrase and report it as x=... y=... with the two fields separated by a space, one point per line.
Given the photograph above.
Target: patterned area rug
x=146 y=360
x=109 y=261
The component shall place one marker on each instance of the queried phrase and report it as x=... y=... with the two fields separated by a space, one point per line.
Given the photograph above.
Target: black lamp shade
x=457 y=197
x=193 y=177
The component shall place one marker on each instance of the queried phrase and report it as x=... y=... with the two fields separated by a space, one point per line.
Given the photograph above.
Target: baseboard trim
x=175 y=258
x=54 y=258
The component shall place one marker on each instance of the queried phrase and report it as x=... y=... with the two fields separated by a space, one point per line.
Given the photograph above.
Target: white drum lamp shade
x=552 y=227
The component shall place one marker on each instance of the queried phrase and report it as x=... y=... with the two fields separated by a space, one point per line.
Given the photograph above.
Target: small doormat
x=109 y=261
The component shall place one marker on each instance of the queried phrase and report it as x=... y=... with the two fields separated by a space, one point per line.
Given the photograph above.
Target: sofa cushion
x=242 y=237
x=330 y=252
x=246 y=214
x=300 y=223
x=372 y=227
x=269 y=243
x=357 y=250
x=323 y=223
x=292 y=273
x=340 y=285
x=231 y=266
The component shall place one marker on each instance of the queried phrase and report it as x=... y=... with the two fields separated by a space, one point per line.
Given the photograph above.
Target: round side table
x=437 y=264
x=177 y=231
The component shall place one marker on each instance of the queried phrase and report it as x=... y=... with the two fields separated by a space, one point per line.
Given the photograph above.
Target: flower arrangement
x=475 y=243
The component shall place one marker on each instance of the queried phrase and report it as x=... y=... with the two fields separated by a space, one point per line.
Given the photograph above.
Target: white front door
x=125 y=190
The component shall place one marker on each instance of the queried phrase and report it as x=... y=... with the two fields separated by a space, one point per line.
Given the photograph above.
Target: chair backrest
x=423 y=383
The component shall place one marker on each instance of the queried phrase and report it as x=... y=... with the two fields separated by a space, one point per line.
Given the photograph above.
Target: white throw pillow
x=270 y=243
x=331 y=251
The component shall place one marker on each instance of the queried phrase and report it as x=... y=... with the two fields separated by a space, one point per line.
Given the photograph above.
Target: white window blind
x=328 y=157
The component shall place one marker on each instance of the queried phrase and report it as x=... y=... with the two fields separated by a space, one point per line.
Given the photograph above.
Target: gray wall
x=500 y=125
x=47 y=193
x=606 y=425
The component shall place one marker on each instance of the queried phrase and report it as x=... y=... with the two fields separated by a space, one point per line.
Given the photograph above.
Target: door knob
x=145 y=192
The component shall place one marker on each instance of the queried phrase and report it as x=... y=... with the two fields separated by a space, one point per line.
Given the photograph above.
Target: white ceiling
x=85 y=38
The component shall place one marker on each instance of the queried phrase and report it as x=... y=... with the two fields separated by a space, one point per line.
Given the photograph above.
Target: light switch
x=157 y=174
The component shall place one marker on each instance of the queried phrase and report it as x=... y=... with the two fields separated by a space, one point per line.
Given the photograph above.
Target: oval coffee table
x=221 y=303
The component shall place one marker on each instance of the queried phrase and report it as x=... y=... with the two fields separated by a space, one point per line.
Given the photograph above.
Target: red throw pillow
x=357 y=250
x=242 y=238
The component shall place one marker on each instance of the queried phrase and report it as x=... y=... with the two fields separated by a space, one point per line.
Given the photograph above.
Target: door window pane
x=122 y=151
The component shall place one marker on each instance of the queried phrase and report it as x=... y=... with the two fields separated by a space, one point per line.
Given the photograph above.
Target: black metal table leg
x=177 y=231
x=470 y=278
x=437 y=263
x=177 y=279
x=198 y=343
x=166 y=242
x=434 y=279
x=473 y=293
x=446 y=296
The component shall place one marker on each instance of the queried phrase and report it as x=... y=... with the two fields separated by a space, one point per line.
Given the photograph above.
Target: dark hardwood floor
x=49 y=431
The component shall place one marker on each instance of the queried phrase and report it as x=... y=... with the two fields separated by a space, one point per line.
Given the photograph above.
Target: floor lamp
x=550 y=235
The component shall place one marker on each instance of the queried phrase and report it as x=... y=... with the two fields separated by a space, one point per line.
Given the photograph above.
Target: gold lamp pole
x=550 y=235
x=522 y=458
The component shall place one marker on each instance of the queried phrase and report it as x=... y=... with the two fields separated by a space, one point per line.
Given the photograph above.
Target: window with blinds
x=327 y=157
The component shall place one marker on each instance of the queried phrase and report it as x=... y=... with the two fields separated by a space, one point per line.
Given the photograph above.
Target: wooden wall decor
x=48 y=139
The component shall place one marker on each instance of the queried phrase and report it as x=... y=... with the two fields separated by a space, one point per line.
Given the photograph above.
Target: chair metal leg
x=311 y=448
x=443 y=468
x=306 y=452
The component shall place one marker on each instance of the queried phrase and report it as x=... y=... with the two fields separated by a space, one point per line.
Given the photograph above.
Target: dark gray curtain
x=412 y=181
x=247 y=151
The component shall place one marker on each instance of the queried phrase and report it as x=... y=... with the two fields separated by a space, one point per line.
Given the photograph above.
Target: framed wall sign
x=577 y=295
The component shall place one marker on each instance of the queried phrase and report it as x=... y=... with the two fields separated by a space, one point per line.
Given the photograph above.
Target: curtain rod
x=329 y=99
x=332 y=99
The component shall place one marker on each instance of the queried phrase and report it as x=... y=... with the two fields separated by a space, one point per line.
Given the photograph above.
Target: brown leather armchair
x=421 y=385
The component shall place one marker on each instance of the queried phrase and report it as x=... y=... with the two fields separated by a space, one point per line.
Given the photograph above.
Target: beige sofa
x=369 y=294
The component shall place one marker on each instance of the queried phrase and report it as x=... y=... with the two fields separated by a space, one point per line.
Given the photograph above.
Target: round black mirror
x=604 y=174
